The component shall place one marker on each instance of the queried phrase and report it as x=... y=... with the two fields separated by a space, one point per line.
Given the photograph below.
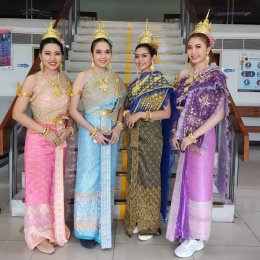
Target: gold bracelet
x=125 y=112
x=94 y=133
x=71 y=130
x=147 y=115
x=119 y=123
x=45 y=131
x=192 y=138
x=75 y=93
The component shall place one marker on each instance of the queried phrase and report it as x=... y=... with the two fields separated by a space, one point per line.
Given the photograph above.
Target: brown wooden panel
x=249 y=111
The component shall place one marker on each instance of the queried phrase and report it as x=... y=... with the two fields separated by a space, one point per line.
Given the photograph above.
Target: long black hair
x=95 y=42
x=51 y=40
x=150 y=49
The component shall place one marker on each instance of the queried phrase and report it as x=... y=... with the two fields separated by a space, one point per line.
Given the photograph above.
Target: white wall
x=22 y=54
x=231 y=59
x=133 y=10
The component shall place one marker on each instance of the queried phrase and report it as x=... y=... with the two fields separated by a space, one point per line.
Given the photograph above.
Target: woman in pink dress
x=48 y=92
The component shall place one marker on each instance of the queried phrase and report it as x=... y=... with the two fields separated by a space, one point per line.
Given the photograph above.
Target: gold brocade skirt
x=143 y=197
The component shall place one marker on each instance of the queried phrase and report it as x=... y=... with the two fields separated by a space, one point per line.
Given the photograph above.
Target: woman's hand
x=185 y=142
x=100 y=138
x=115 y=134
x=53 y=138
x=175 y=143
x=132 y=119
x=63 y=134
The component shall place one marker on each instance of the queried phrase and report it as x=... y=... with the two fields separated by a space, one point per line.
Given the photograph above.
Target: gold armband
x=21 y=93
x=192 y=138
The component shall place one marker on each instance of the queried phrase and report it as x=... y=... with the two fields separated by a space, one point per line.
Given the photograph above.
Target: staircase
x=125 y=36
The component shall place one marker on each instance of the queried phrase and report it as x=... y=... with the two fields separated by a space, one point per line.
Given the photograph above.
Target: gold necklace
x=102 y=82
x=55 y=85
x=139 y=84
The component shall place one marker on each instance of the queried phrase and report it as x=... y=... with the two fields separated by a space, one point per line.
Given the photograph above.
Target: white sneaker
x=135 y=231
x=145 y=237
x=188 y=248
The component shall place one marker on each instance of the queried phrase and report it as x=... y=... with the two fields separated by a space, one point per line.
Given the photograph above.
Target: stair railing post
x=76 y=7
x=15 y=156
x=70 y=28
x=10 y=170
x=182 y=13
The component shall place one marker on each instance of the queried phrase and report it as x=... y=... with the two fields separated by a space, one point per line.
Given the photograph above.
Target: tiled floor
x=229 y=241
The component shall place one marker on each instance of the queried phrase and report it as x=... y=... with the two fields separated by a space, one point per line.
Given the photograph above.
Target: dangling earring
x=152 y=68
x=137 y=72
x=92 y=63
x=207 y=59
x=61 y=67
x=41 y=66
x=109 y=66
x=190 y=65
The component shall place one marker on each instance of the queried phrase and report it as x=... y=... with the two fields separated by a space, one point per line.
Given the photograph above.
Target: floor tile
x=11 y=227
x=228 y=253
x=145 y=252
x=236 y=233
x=123 y=238
x=252 y=219
x=74 y=251
x=13 y=250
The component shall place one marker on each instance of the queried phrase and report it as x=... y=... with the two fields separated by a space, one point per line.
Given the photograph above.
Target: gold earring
x=92 y=63
x=41 y=66
x=61 y=67
x=109 y=66
x=190 y=64
x=207 y=59
x=152 y=67
x=137 y=72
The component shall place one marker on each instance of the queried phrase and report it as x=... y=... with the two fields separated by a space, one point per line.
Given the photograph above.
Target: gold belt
x=103 y=112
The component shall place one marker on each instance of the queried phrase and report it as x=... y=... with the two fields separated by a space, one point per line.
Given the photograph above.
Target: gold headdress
x=100 y=33
x=147 y=37
x=51 y=33
x=203 y=27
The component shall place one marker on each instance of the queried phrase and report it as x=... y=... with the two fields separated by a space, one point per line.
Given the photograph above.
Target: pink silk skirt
x=44 y=191
x=191 y=205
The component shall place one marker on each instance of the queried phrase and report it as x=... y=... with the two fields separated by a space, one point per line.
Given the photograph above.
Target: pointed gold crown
x=147 y=37
x=100 y=33
x=203 y=27
x=51 y=33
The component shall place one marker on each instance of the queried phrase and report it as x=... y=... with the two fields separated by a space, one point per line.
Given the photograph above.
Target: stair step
x=123 y=49
x=123 y=39
x=124 y=25
x=87 y=56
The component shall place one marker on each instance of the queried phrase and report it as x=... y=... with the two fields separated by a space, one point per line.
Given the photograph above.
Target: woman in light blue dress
x=101 y=94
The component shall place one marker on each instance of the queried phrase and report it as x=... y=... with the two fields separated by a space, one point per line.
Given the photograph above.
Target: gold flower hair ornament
x=205 y=28
x=51 y=33
x=100 y=33
x=147 y=37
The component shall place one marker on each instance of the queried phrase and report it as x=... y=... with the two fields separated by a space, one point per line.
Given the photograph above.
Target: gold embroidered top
x=95 y=97
x=46 y=106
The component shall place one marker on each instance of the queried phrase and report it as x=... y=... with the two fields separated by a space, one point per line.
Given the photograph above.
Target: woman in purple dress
x=203 y=103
